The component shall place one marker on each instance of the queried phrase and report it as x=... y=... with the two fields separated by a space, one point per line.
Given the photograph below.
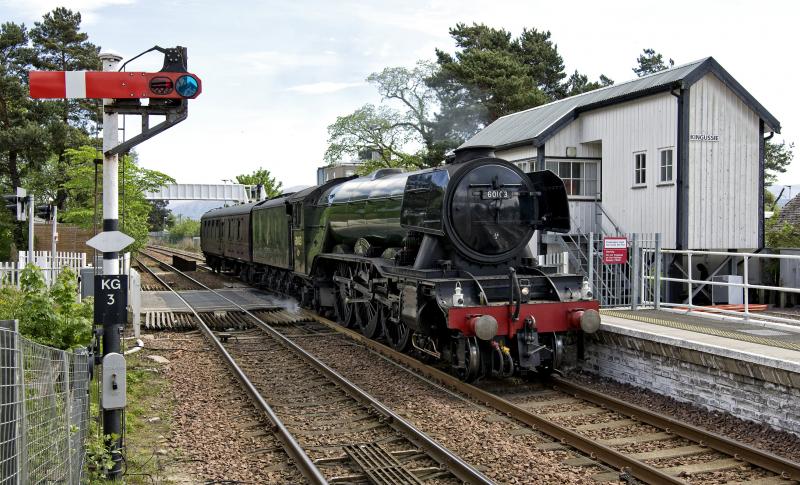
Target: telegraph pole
x=112 y=418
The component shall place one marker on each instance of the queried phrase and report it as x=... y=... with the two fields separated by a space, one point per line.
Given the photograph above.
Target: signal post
x=168 y=91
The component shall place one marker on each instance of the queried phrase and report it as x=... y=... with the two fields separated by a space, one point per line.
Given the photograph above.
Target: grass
x=148 y=455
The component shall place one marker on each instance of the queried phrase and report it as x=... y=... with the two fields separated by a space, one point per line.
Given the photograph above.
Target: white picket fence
x=9 y=271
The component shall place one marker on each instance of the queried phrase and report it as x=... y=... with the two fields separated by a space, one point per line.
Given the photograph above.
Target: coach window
x=639 y=169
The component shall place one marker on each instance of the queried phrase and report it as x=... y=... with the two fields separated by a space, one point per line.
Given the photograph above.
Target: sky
x=277 y=73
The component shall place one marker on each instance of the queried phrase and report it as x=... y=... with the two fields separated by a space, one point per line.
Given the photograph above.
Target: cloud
x=35 y=9
x=270 y=61
x=324 y=87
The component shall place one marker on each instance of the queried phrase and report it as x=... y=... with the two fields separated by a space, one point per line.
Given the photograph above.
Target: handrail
x=745 y=285
x=599 y=205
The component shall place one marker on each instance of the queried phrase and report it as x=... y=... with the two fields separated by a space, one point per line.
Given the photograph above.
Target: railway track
x=633 y=441
x=333 y=431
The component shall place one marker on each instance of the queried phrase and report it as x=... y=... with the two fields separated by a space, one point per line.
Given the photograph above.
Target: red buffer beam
x=113 y=85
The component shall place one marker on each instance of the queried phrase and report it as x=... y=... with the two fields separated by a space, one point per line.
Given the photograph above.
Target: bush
x=48 y=316
x=183 y=229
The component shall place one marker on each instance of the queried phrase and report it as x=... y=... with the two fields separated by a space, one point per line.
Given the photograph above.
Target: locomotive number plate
x=495 y=194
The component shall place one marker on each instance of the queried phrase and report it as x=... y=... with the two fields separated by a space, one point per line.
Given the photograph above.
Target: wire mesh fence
x=43 y=413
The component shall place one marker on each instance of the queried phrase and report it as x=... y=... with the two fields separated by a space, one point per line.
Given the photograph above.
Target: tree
x=185 y=227
x=379 y=129
x=134 y=182
x=160 y=216
x=650 y=62
x=777 y=157
x=409 y=87
x=501 y=73
x=59 y=45
x=579 y=83
x=262 y=177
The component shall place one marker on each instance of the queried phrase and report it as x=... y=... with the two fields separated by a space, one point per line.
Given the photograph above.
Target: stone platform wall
x=746 y=390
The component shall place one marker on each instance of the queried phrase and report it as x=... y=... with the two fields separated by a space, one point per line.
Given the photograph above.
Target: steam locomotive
x=435 y=259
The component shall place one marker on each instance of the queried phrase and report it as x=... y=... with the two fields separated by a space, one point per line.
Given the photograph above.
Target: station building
x=679 y=152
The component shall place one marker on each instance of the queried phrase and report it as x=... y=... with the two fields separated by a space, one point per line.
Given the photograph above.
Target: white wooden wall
x=518 y=153
x=723 y=175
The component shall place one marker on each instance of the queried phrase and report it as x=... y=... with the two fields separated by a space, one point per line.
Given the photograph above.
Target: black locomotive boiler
x=436 y=259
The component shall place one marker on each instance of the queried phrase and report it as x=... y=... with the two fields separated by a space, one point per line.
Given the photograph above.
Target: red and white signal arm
x=113 y=85
x=615 y=250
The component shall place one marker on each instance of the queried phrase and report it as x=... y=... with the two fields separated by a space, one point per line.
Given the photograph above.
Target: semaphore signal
x=114 y=85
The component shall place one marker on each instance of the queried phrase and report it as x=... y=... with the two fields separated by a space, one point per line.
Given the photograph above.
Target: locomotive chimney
x=471 y=153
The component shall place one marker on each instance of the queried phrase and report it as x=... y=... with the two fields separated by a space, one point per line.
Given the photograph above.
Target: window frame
x=661 y=166
x=582 y=179
x=637 y=169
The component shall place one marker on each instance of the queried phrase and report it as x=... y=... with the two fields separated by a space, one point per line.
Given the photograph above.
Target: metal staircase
x=611 y=285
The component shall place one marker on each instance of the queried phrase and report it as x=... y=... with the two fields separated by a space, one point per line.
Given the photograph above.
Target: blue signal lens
x=186 y=86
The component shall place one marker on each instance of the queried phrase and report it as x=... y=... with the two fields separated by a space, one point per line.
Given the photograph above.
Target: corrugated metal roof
x=527 y=126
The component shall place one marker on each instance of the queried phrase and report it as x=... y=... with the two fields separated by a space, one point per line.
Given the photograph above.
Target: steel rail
x=768 y=461
x=783 y=467
x=605 y=454
x=302 y=461
x=460 y=468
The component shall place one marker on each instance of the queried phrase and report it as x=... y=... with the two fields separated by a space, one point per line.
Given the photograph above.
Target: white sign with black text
x=703 y=137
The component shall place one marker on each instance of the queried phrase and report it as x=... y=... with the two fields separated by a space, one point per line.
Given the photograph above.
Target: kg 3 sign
x=110 y=298
x=615 y=250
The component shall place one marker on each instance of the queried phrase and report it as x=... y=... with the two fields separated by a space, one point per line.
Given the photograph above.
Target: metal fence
x=619 y=285
x=43 y=412
x=654 y=279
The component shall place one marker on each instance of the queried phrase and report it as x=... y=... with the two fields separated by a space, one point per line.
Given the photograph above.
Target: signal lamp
x=161 y=85
x=44 y=211
x=187 y=86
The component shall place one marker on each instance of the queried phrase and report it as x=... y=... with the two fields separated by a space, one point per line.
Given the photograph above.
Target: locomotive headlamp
x=586 y=289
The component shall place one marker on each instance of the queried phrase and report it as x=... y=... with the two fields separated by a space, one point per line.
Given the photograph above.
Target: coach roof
x=534 y=126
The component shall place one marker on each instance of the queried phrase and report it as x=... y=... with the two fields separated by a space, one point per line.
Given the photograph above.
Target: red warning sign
x=615 y=250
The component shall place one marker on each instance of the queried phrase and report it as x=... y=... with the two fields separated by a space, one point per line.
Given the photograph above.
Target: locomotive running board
x=551 y=198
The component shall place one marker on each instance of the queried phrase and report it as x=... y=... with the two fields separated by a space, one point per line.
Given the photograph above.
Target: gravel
x=754 y=434
x=504 y=450
x=216 y=432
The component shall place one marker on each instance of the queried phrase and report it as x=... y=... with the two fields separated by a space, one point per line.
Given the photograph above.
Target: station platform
x=748 y=368
x=758 y=341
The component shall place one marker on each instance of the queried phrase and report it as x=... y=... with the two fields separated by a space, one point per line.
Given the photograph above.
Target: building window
x=666 y=165
x=580 y=176
x=524 y=166
x=640 y=169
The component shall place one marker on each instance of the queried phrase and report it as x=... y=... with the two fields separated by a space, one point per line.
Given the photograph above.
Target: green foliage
x=134 y=181
x=262 y=177
x=379 y=129
x=504 y=74
x=49 y=316
x=35 y=131
x=781 y=235
x=649 y=62
x=184 y=228
x=100 y=456
x=160 y=216
x=777 y=157
x=430 y=109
